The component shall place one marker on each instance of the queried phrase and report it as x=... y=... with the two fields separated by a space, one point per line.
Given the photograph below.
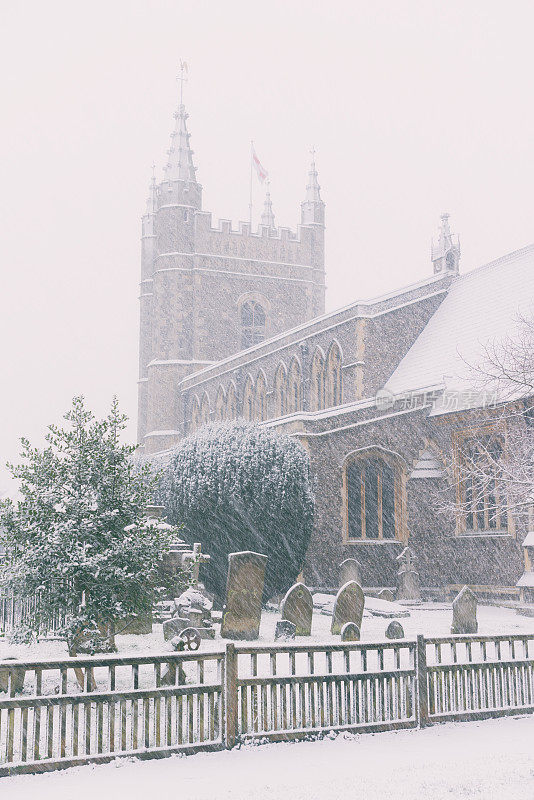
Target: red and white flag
x=261 y=172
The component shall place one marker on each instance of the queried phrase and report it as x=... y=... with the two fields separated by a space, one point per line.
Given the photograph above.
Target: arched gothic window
x=252 y=324
x=260 y=404
x=294 y=387
x=280 y=391
x=220 y=404
x=195 y=414
x=231 y=402
x=317 y=381
x=333 y=385
x=205 y=409
x=248 y=399
x=371 y=498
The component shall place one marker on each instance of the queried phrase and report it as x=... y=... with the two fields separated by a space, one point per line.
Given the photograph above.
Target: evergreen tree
x=78 y=538
x=238 y=486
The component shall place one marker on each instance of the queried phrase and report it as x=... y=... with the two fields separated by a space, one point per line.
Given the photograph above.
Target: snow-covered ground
x=490 y=760
x=431 y=619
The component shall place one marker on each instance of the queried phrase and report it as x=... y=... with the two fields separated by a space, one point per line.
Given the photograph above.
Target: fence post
x=422 y=682
x=230 y=696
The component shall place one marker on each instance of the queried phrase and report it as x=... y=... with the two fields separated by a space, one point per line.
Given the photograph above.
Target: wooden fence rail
x=79 y=710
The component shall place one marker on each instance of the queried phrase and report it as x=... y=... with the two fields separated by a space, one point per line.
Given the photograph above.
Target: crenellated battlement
x=303 y=246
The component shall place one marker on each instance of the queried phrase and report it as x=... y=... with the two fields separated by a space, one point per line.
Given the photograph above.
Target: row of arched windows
x=325 y=392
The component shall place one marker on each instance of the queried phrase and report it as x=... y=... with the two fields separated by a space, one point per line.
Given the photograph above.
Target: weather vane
x=182 y=77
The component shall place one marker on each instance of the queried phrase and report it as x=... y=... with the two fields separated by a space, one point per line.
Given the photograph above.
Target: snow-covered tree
x=494 y=465
x=78 y=538
x=237 y=486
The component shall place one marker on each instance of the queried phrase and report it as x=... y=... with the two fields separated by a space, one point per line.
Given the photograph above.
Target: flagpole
x=250 y=195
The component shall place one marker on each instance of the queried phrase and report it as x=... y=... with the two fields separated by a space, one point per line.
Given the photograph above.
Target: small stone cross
x=407 y=560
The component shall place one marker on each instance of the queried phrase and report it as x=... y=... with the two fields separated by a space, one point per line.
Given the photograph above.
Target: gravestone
x=348 y=607
x=244 y=589
x=394 y=630
x=285 y=630
x=350 y=632
x=173 y=627
x=408 y=578
x=297 y=607
x=464 y=612
x=349 y=570
x=386 y=594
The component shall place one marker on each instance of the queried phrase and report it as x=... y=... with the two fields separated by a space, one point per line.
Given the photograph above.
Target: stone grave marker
x=285 y=630
x=408 y=578
x=464 y=612
x=173 y=627
x=244 y=589
x=386 y=594
x=349 y=570
x=394 y=630
x=297 y=607
x=348 y=607
x=350 y=632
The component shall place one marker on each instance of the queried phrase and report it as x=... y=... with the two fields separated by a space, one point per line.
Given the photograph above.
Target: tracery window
x=195 y=414
x=371 y=499
x=260 y=404
x=317 y=381
x=333 y=387
x=280 y=391
x=252 y=324
x=231 y=402
x=294 y=387
x=248 y=399
x=220 y=404
x=205 y=409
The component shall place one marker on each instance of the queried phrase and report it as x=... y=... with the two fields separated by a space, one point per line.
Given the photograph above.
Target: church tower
x=203 y=285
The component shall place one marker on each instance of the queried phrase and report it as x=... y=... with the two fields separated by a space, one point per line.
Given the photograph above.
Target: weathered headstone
x=244 y=590
x=394 y=630
x=173 y=627
x=464 y=612
x=348 y=607
x=386 y=594
x=349 y=570
x=285 y=630
x=408 y=578
x=297 y=607
x=350 y=632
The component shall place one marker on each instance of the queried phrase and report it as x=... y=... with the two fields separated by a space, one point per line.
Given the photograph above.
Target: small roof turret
x=312 y=209
x=446 y=251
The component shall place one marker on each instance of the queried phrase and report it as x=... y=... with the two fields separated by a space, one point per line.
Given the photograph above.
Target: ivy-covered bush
x=237 y=486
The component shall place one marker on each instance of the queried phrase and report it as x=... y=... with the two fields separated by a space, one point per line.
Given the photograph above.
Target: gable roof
x=482 y=307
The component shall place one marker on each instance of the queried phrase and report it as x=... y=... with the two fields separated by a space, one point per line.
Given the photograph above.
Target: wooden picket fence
x=472 y=677
x=79 y=710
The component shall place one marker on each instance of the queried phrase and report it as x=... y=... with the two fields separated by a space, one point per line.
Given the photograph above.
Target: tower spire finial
x=313 y=206
x=180 y=165
x=267 y=217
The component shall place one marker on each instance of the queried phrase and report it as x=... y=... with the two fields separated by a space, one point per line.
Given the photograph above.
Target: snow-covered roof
x=481 y=307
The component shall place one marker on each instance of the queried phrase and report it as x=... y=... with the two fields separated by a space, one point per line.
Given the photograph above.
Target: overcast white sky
x=413 y=107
